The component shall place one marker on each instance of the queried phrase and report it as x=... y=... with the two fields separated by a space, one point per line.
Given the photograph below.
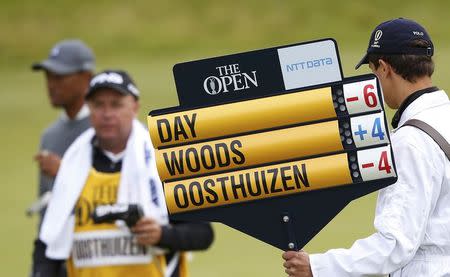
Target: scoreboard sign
x=273 y=142
x=257 y=73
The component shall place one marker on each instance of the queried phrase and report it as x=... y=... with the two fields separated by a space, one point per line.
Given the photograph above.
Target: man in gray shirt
x=68 y=70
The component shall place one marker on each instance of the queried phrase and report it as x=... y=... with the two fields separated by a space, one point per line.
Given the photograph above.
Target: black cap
x=118 y=80
x=395 y=37
x=67 y=57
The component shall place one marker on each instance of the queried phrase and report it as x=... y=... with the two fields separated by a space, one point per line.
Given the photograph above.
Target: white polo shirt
x=413 y=215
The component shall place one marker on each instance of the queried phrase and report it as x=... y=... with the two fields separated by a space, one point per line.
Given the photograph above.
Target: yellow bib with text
x=105 y=250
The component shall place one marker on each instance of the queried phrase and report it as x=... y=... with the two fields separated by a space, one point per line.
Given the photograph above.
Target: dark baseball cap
x=118 y=80
x=67 y=57
x=395 y=37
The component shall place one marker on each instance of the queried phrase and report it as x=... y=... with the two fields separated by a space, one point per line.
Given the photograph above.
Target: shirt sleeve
x=43 y=266
x=401 y=218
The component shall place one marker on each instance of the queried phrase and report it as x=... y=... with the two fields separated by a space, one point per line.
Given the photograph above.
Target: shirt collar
x=82 y=113
x=114 y=157
x=110 y=155
x=424 y=102
x=407 y=102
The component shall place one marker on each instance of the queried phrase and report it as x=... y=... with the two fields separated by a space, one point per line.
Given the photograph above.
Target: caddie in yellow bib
x=106 y=249
x=107 y=216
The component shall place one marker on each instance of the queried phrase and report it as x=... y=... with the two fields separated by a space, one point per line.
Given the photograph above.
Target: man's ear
x=136 y=107
x=385 y=69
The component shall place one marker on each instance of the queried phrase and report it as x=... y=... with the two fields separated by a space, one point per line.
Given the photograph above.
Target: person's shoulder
x=437 y=117
x=51 y=130
x=84 y=138
x=84 y=120
x=86 y=134
x=60 y=126
x=415 y=141
x=84 y=123
x=410 y=137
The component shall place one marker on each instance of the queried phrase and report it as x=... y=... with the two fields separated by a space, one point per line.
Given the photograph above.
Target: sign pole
x=288 y=224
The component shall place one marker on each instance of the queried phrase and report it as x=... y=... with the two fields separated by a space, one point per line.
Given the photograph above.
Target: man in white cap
x=413 y=215
x=113 y=163
x=68 y=70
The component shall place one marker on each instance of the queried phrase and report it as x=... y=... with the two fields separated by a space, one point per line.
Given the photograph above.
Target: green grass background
x=147 y=38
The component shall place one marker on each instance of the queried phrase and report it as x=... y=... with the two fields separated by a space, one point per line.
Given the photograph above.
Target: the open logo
x=378 y=35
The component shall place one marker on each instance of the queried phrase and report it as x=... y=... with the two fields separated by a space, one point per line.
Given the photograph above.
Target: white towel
x=138 y=172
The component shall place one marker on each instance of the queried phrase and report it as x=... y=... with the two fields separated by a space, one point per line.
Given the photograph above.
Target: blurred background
x=147 y=38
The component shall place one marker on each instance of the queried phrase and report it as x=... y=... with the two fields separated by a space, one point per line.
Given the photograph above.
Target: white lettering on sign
x=309 y=64
x=369 y=130
x=362 y=96
x=230 y=78
x=108 y=247
x=376 y=163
